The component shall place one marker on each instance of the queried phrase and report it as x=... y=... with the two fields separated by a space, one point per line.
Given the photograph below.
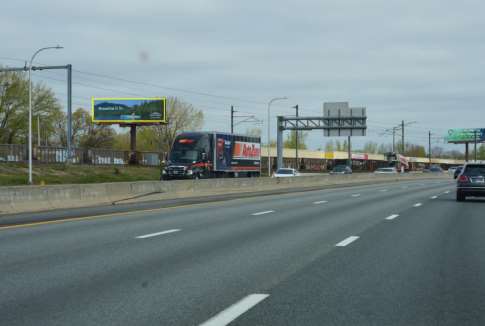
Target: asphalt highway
x=391 y=254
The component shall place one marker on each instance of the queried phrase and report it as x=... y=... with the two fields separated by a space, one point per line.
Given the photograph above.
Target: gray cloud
x=412 y=60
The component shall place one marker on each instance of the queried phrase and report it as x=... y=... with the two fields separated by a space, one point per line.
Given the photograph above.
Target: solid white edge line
x=391 y=217
x=230 y=314
x=320 y=202
x=417 y=205
x=346 y=241
x=156 y=234
x=262 y=213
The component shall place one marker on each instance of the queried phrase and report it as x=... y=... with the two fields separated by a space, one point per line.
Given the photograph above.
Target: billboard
x=465 y=135
x=129 y=110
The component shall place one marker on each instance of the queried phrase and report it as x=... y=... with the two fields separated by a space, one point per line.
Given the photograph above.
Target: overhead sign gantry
x=337 y=120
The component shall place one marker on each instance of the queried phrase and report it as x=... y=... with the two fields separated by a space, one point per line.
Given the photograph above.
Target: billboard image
x=465 y=135
x=129 y=110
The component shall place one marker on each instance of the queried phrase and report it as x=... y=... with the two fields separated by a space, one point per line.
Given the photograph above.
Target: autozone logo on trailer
x=247 y=151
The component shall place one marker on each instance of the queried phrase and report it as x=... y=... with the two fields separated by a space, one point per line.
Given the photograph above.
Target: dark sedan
x=471 y=181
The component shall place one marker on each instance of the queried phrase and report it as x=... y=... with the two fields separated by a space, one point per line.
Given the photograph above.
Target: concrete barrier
x=39 y=198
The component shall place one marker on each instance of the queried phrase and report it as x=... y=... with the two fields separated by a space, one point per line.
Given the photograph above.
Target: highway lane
x=426 y=267
x=130 y=270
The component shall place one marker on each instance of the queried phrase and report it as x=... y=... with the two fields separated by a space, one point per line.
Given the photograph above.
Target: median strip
x=230 y=314
x=262 y=213
x=347 y=241
x=151 y=235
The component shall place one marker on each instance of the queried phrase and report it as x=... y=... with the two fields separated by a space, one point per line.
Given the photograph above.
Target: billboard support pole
x=475 y=146
x=466 y=152
x=133 y=158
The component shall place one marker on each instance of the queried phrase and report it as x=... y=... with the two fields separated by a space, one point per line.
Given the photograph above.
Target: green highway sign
x=466 y=135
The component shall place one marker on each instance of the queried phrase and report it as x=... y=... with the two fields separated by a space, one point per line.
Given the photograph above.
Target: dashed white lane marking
x=262 y=213
x=346 y=241
x=230 y=314
x=383 y=190
x=391 y=217
x=447 y=192
x=417 y=205
x=320 y=202
x=157 y=234
x=434 y=197
x=356 y=195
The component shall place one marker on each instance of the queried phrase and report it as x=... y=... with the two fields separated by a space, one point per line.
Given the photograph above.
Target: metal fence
x=94 y=156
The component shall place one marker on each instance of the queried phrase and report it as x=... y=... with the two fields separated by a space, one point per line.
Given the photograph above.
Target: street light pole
x=30 y=106
x=269 y=130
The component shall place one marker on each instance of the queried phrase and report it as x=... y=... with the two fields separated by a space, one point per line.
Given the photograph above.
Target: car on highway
x=471 y=181
x=457 y=171
x=433 y=169
x=341 y=169
x=390 y=170
x=285 y=173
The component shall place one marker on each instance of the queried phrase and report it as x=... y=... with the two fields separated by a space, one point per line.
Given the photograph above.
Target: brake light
x=463 y=178
x=186 y=141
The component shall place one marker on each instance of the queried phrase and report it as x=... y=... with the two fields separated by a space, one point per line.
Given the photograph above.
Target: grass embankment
x=17 y=174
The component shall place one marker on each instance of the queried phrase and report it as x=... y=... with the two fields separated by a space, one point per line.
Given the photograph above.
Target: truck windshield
x=187 y=150
x=184 y=156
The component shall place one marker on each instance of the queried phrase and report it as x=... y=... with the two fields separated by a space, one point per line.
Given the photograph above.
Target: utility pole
x=429 y=147
x=402 y=136
x=296 y=140
x=394 y=139
x=232 y=119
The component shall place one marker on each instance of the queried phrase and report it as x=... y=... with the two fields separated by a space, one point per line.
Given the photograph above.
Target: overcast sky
x=416 y=60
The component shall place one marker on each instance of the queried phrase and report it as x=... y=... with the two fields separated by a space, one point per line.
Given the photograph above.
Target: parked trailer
x=196 y=155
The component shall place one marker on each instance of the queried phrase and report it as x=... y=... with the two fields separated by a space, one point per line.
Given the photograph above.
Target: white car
x=386 y=171
x=285 y=173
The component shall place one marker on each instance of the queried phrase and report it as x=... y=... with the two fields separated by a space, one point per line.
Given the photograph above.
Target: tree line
x=49 y=118
x=50 y=121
